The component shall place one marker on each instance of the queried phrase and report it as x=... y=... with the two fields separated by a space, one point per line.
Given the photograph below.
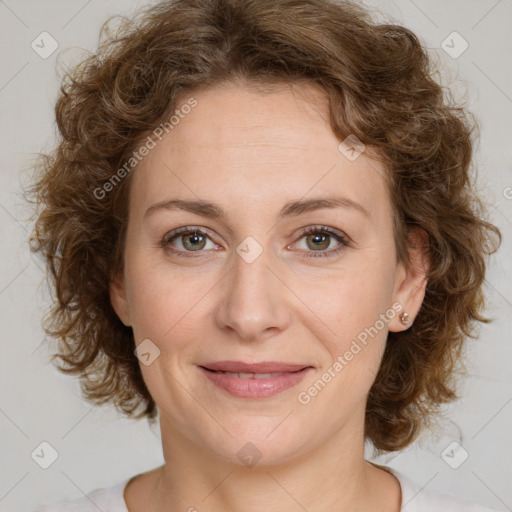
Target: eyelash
x=305 y=231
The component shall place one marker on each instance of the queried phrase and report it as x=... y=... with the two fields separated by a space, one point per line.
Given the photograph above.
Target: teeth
x=245 y=375
x=252 y=375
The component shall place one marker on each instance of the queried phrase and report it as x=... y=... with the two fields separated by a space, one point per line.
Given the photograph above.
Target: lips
x=256 y=368
x=244 y=375
x=254 y=380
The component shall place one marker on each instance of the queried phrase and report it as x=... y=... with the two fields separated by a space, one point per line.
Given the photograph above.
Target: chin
x=255 y=444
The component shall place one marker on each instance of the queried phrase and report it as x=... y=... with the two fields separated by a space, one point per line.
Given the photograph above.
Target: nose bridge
x=252 y=301
x=251 y=270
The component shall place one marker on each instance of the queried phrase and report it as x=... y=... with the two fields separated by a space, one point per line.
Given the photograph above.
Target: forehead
x=238 y=144
x=240 y=120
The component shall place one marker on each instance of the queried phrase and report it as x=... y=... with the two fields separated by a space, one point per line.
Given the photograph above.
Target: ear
x=118 y=299
x=411 y=280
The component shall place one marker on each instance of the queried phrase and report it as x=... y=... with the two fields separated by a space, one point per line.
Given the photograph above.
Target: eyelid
x=187 y=229
x=320 y=228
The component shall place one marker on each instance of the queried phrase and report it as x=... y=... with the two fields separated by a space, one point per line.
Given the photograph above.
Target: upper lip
x=263 y=367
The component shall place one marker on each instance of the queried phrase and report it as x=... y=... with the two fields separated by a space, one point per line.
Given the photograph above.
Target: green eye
x=318 y=240
x=187 y=240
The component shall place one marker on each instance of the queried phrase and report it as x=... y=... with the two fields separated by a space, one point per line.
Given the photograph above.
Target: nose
x=253 y=300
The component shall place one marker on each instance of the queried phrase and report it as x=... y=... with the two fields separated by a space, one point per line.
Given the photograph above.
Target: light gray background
x=98 y=448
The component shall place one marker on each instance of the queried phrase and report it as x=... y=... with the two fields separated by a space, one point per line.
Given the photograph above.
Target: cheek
x=352 y=313
x=153 y=303
x=163 y=300
x=349 y=299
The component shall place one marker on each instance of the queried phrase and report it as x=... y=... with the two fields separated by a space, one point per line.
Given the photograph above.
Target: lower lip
x=255 y=388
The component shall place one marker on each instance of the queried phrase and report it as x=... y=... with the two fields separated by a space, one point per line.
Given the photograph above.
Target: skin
x=251 y=153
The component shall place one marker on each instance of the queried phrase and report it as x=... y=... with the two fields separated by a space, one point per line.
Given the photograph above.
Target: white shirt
x=414 y=499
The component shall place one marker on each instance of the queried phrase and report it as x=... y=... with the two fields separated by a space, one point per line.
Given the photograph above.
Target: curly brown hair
x=379 y=82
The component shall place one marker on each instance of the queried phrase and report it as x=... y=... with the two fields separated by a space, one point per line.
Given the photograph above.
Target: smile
x=254 y=385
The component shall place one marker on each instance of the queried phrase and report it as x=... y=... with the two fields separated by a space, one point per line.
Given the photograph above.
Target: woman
x=275 y=246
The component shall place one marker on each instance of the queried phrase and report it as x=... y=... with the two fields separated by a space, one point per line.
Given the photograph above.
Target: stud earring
x=404 y=317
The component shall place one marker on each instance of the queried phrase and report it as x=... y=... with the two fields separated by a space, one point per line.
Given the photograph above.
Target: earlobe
x=411 y=280
x=118 y=298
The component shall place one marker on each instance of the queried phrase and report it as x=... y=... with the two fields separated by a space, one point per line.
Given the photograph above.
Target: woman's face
x=250 y=286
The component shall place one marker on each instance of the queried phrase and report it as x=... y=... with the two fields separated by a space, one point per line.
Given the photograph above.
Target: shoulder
x=417 y=499
x=105 y=499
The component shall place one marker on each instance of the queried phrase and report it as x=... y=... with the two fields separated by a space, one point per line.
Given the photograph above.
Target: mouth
x=258 y=368
x=250 y=375
x=257 y=380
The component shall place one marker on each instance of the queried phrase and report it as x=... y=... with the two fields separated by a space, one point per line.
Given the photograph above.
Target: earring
x=404 y=317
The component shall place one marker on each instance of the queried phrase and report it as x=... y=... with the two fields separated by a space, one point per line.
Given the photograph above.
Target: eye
x=319 y=238
x=187 y=239
x=191 y=239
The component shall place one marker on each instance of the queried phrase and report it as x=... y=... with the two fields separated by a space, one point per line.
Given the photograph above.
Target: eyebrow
x=292 y=208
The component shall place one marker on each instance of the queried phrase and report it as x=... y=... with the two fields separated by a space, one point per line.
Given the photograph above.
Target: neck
x=333 y=476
